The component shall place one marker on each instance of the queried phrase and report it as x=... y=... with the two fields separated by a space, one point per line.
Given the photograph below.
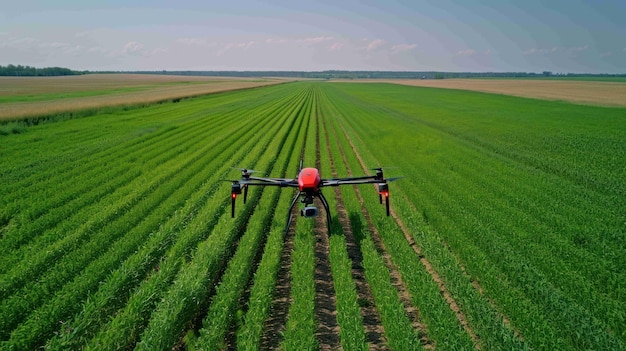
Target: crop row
x=263 y=286
x=66 y=303
x=150 y=296
x=224 y=307
x=352 y=329
x=474 y=208
x=94 y=182
x=442 y=327
x=202 y=273
x=192 y=231
x=300 y=327
x=118 y=202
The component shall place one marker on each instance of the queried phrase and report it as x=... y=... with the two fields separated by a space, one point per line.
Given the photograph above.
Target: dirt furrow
x=374 y=331
x=327 y=332
x=275 y=325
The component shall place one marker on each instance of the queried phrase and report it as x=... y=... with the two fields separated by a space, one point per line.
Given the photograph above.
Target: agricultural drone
x=309 y=184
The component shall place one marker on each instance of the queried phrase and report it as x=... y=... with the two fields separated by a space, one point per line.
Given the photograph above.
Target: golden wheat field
x=36 y=96
x=582 y=92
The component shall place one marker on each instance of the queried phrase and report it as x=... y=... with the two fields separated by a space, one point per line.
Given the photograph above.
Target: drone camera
x=309 y=211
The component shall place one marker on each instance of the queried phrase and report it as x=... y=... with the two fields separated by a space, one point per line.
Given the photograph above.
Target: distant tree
x=547 y=73
x=19 y=70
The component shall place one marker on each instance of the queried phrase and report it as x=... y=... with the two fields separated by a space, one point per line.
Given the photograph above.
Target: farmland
x=508 y=230
x=604 y=92
x=24 y=97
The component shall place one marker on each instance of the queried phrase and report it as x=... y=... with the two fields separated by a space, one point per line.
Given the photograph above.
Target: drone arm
x=347 y=181
x=273 y=182
x=351 y=178
x=293 y=203
x=325 y=203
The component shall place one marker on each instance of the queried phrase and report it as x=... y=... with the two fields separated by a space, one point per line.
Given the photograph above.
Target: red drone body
x=309 y=178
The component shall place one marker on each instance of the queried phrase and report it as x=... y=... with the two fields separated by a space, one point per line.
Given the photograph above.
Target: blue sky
x=412 y=35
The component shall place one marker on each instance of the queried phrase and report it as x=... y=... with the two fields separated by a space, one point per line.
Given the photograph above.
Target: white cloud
x=192 y=41
x=374 y=44
x=315 y=40
x=241 y=45
x=236 y=45
x=579 y=49
x=540 y=51
x=97 y=50
x=305 y=40
x=336 y=46
x=54 y=45
x=21 y=42
x=395 y=49
x=132 y=47
x=276 y=40
x=467 y=52
x=556 y=49
x=73 y=50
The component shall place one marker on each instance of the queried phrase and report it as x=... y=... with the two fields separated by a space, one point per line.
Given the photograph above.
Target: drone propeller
x=245 y=173
x=381 y=168
x=379 y=172
x=244 y=169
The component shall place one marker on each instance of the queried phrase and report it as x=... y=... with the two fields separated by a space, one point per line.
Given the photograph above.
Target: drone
x=309 y=184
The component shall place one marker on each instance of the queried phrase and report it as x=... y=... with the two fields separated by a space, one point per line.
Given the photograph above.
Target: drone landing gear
x=308 y=211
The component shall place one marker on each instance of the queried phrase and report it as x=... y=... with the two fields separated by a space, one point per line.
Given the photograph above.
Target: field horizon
x=32 y=97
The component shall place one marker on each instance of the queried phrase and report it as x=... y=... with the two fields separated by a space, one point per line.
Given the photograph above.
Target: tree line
x=28 y=71
x=19 y=70
x=341 y=74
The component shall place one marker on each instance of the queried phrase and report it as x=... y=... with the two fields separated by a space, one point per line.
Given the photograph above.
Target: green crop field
x=508 y=230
